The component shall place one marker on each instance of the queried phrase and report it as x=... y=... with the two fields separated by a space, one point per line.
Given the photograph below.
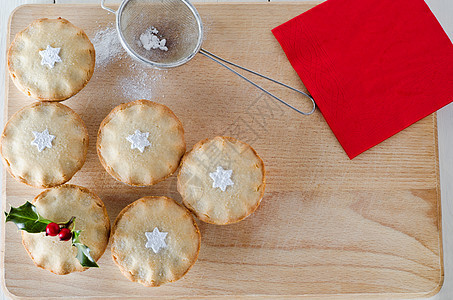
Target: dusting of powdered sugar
x=149 y=40
x=141 y=85
x=137 y=81
x=207 y=25
x=107 y=46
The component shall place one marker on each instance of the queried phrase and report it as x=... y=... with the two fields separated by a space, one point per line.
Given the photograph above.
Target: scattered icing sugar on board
x=141 y=81
x=107 y=46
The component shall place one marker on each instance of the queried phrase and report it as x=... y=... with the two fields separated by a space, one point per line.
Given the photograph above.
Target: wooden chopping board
x=327 y=226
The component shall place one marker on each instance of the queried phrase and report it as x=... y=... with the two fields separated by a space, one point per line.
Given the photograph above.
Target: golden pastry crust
x=212 y=205
x=143 y=265
x=67 y=77
x=59 y=205
x=52 y=166
x=158 y=161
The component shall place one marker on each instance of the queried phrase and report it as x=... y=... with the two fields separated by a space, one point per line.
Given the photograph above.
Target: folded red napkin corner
x=374 y=67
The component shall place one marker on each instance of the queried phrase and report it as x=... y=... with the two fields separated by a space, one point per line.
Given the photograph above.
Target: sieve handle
x=107 y=8
x=223 y=63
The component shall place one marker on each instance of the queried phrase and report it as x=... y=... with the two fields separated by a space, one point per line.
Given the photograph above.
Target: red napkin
x=374 y=67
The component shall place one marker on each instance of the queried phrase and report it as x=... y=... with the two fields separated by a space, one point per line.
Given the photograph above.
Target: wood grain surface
x=327 y=226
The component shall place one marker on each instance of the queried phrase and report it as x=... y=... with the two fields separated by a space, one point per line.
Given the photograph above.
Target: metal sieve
x=174 y=27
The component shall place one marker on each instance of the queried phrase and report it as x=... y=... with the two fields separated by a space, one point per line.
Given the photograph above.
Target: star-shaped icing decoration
x=50 y=56
x=139 y=140
x=42 y=140
x=156 y=240
x=221 y=178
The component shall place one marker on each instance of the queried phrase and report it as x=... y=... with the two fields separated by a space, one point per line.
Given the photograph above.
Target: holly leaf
x=27 y=218
x=83 y=252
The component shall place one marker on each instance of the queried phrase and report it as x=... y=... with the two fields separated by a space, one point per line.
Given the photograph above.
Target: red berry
x=65 y=234
x=52 y=229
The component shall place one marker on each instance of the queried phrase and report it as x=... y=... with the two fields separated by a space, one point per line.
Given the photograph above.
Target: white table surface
x=442 y=9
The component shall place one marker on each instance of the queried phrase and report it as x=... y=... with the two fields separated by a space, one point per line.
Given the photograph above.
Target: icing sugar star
x=156 y=240
x=221 y=178
x=50 y=56
x=139 y=140
x=42 y=140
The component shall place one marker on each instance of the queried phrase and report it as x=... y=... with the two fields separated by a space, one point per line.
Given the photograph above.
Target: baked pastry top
x=51 y=59
x=141 y=143
x=221 y=180
x=155 y=241
x=59 y=205
x=44 y=144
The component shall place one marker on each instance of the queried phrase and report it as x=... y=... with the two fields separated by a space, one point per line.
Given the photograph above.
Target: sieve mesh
x=179 y=23
x=176 y=21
